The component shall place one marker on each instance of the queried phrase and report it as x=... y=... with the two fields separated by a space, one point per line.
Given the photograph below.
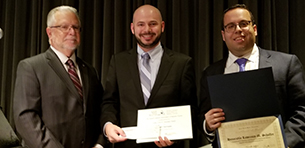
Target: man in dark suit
x=239 y=33
x=172 y=81
x=57 y=105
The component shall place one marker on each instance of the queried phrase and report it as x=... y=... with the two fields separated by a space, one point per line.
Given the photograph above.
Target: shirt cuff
x=105 y=127
x=98 y=146
x=210 y=136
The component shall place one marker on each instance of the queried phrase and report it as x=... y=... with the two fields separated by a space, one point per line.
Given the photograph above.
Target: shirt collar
x=152 y=53
x=251 y=57
x=63 y=58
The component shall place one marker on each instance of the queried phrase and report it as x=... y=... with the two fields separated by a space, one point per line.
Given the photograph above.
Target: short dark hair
x=242 y=6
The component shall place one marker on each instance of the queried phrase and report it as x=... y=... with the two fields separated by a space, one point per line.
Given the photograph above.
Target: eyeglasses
x=231 y=27
x=66 y=28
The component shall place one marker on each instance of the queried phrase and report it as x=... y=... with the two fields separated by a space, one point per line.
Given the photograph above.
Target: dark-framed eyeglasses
x=231 y=27
x=66 y=28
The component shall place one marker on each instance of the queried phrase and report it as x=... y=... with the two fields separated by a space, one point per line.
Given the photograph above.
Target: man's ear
x=132 y=28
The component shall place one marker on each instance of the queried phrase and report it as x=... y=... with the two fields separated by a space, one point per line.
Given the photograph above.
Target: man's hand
x=213 y=119
x=163 y=143
x=114 y=133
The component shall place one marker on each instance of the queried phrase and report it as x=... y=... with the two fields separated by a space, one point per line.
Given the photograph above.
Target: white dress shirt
x=252 y=63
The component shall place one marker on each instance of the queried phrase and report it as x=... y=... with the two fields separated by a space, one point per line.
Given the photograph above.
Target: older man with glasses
x=57 y=95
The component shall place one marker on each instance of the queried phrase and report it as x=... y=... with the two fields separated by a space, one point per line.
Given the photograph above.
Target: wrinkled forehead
x=66 y=16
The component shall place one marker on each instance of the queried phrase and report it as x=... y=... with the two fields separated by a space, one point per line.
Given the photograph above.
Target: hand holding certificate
x=173 y=122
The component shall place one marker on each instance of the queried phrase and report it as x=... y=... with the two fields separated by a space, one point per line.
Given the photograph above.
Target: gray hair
x=51 y=16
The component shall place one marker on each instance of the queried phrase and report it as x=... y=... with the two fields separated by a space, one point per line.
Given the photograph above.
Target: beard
x=70 y=47
x=151 y=45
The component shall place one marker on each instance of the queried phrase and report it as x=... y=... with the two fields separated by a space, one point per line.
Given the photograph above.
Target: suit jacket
x=123 y=97
x=290 y=88
x=49 y=112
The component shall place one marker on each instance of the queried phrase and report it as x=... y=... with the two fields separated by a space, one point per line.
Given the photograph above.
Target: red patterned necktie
x=74 y=77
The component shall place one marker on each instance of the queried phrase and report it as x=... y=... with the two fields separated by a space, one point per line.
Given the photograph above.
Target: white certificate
x=173 y=122
x=131 y=132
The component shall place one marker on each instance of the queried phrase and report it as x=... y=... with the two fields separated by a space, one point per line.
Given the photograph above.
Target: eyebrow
x=238 y=22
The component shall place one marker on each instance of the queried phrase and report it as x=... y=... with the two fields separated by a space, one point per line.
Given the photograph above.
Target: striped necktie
x=74 y=77
x=145 y=76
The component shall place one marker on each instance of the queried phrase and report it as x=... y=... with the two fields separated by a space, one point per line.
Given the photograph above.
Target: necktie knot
x=145 y=56
x=241 y=62
x=70 y=63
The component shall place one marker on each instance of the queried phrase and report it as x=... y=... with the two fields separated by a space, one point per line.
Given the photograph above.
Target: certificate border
x=281 y=127
x=189 y=109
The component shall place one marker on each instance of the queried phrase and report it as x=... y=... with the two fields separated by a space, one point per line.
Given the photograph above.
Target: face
x=147 y=27
x=240 y=41
x=64 y=40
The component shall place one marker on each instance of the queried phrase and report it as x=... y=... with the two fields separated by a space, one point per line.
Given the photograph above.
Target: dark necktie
x=241 y=62
x=145 y=76
x=74 y=77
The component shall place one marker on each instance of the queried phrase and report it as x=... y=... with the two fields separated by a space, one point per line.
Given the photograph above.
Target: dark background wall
x=191 y=27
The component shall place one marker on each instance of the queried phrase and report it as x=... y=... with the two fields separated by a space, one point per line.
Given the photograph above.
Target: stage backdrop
x=192 y=27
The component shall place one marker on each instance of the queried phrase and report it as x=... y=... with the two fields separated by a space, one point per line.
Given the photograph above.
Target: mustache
x=71 y=38
x=149 y=33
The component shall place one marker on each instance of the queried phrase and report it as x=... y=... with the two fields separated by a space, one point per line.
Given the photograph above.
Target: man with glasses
x=57 y=95
x=239 y=33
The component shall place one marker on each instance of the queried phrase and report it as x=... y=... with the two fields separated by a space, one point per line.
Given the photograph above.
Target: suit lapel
x=221 y=68
x=58 y=68
x=264 y=58
x=85 y=80
x=165 y=66
x=132 y=60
